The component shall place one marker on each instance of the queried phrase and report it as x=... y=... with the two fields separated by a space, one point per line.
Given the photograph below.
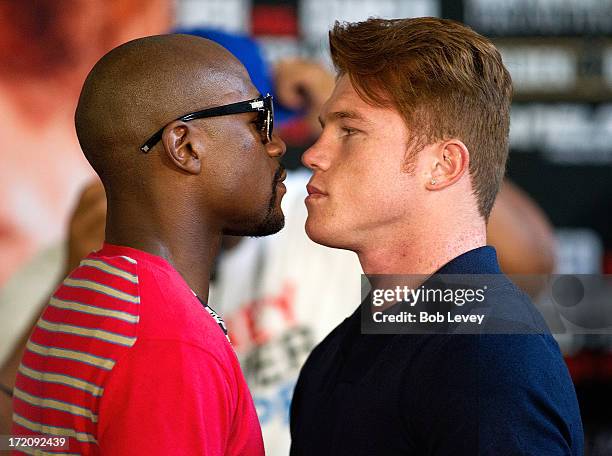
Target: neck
x=424 y=251
x=190 y=245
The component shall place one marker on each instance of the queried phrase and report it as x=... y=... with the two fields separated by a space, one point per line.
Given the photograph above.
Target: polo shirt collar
x=481 y=260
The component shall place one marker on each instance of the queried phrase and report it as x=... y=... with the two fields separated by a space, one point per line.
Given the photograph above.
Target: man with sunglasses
x=128 y=358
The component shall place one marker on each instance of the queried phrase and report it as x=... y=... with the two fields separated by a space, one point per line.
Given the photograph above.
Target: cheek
x=245 y=159
x=373 y=188
x=366 y=179
x=242 y=175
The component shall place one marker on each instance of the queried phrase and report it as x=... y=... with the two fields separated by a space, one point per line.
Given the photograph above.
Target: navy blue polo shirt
x=438 y=394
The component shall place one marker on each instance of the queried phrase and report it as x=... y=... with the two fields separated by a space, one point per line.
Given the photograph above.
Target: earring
x=433 y=182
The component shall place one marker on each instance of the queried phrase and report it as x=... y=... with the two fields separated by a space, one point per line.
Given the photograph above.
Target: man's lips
x=280 y=175
x=314 y=191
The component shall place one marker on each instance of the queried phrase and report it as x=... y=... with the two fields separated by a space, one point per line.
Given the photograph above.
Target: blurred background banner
x=559 y=53
x=47 y=47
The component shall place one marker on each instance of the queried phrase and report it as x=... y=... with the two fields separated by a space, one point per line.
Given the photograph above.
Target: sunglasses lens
x=262 y=124
x=265 y=120
x=268 y=126
x=270 y=110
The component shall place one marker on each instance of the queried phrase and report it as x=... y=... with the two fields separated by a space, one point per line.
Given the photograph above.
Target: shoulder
x=104 y=280
x=170 y=310
x=515 y=387
x=494 y=358
x=527 y=364
x=503 y=368
x=96 y=307
x=512 y=311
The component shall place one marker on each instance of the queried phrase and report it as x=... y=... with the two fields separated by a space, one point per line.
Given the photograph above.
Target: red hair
x=446 y=80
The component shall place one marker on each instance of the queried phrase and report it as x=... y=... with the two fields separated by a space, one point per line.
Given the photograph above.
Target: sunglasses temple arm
x=146 y=147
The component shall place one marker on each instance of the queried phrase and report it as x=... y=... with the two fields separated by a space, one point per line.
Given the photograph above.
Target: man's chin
x=317 y=233
x=273 y=223
x=271 y=226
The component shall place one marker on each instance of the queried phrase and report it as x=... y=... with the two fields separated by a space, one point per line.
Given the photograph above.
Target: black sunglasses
x=263 y=106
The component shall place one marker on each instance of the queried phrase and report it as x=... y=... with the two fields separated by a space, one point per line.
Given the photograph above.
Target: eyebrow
x=353 y=115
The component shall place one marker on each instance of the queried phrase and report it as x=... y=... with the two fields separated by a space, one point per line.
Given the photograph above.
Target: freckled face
x=359 y=192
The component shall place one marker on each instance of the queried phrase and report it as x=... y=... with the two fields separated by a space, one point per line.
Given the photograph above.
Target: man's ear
x=181 y=145
x=450 y=161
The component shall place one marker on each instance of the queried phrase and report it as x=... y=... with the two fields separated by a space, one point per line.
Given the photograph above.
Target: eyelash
x=349 y=131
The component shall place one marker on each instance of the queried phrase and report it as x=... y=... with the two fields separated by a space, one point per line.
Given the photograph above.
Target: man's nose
x=314 y=158
x=276 y=147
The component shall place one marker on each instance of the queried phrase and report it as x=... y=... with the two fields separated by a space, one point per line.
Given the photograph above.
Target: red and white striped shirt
x=125 y=360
